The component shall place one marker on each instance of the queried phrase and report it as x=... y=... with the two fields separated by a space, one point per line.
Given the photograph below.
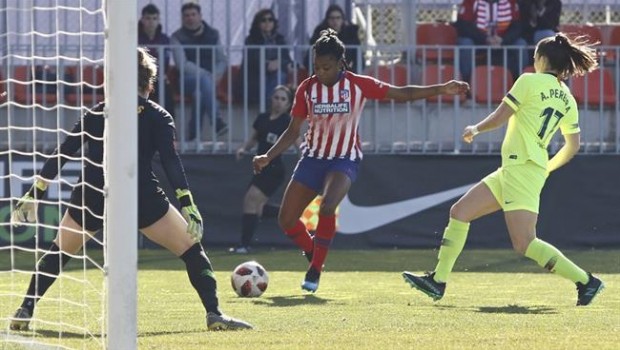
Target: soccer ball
x=249 y=279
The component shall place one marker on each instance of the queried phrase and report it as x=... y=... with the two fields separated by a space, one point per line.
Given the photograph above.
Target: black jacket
x=254 y=60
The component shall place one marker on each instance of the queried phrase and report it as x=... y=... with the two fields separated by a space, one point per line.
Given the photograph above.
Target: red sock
x=300 y=236
x=325 y=231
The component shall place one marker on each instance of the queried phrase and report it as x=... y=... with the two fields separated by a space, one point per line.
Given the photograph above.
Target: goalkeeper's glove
x=26 y=208
x=190 y=213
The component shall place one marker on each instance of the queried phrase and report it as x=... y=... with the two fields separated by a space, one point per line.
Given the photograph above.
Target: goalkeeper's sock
x=202 y=277
x=248 y=227
x=325 y=232
x=300 y=235
x=48 y=268
x=553 y=260
x=454 y=237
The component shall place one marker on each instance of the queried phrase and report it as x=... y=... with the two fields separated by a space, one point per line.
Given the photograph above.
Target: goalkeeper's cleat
x=426 y=284
x=222 y=322
x=311 y=281
x=587 y=292
x=21 y=320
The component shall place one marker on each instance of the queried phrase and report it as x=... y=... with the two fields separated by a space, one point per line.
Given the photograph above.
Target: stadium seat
x=222 y=85
x=301 y=75
x=437 y=74
x=438 y=35
x=395 y=74
x=529 y=69
x=490 y=83
x=173 y=77
x=90 y=88
x=588 y=90
x=45 y=85
x=612 y=38
x=593 y=33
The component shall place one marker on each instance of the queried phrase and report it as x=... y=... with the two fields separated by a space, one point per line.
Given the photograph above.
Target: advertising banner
x=398 y=201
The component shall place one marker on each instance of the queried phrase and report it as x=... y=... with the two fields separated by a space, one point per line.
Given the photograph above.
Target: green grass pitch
x=495 y=299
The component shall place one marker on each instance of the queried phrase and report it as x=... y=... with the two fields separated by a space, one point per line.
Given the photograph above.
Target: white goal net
x=52 y=59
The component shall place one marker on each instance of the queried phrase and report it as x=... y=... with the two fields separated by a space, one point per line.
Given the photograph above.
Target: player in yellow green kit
x=535 y=108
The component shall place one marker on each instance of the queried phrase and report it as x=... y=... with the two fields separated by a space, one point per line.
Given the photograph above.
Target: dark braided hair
x=568 y=57
x=328 y=44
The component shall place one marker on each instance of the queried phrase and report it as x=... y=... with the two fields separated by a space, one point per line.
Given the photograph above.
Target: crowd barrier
x=54 y=95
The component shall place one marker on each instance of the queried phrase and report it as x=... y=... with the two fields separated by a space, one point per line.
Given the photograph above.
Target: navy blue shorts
x=312 y=172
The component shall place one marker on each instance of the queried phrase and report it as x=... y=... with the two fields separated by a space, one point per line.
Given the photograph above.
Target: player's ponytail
x=328 y=44
x=147 y=70
x=568 y=57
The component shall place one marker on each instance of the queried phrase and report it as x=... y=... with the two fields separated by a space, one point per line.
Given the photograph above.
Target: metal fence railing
x=428 y=126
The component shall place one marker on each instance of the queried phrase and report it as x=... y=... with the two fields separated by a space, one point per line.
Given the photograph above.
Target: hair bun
x=328 y=32
x=560 y=39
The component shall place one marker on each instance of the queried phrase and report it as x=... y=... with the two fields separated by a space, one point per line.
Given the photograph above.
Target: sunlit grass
x=494 y=300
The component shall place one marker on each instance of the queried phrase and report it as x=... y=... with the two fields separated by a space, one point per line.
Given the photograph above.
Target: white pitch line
x=24 y=342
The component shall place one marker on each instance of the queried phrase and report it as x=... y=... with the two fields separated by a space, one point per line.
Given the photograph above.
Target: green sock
x=452 y=244
x=553 y=260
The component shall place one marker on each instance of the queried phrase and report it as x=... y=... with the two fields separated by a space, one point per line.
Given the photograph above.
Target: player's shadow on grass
x=291 y=300
x=517 y=309
x=47 y=333
x=73 y=335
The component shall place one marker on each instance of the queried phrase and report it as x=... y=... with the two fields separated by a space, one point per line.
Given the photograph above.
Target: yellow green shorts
x=517 y=187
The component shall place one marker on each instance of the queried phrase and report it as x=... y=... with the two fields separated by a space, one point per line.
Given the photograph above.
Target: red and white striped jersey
x=333 y=114
x=485 y=13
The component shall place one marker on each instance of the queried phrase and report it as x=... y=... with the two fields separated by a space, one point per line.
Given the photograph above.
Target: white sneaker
x=239 y=250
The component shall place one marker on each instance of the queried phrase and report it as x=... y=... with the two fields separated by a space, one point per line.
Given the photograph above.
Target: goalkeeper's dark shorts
x=153 y=204
x=270 y=178
x=87 y=207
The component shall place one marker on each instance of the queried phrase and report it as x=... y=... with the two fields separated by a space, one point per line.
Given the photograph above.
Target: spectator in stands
x=149 y=35
x=276 y=61
x=492 y=23
x=540 y=18
x=200 y=67
x=267 y=129
x=347 y=33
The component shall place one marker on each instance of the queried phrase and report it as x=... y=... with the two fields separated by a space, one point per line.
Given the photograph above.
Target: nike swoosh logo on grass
x=353 y=219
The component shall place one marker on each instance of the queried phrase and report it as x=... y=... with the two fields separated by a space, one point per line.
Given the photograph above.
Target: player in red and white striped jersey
x=332 y=101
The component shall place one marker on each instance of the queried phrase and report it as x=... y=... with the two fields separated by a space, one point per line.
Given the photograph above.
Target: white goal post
x=122 y=168
x=58 y=58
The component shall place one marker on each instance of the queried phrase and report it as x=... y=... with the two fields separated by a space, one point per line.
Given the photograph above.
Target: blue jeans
x=271 y=81
x=466 y=57
x=204 y=94
x=541 y=34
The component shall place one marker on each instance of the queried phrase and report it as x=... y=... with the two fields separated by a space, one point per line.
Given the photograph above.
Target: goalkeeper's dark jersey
x=156 y=134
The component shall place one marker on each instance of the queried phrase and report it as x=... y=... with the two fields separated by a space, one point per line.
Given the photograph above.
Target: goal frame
x=121 y=166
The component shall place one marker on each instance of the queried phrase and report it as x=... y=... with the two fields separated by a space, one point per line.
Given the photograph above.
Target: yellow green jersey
x=541 y=105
